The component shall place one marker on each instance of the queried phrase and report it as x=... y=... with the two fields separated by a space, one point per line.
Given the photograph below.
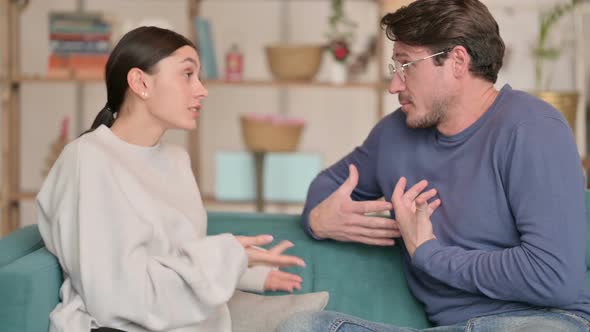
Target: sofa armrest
x=19 y=243
x=29 y=289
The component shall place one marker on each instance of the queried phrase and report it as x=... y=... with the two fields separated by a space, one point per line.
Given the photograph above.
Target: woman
x=123 y=214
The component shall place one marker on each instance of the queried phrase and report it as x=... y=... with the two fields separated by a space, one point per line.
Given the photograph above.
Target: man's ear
x=461 y=61
x=138 y=82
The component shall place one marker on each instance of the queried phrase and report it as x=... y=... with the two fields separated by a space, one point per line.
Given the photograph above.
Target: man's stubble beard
x=437 y=114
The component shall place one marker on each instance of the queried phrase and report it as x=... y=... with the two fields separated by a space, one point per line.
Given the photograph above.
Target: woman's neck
x=136 y=127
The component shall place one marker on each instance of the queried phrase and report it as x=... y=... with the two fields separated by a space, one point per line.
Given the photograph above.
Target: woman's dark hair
x=443 y=24
x=140 y=48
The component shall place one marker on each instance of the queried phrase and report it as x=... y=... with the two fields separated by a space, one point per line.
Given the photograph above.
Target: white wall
x=337 y=119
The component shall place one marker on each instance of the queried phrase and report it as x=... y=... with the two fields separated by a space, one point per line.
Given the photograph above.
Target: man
x=486 y=186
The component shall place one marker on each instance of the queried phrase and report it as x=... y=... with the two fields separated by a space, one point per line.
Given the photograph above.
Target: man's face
x=422 y=93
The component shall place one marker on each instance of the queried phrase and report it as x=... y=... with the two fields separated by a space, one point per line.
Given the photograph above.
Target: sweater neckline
x=467 y=132
x=107 y=133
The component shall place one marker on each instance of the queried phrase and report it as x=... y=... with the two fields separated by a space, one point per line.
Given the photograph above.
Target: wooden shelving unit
x=243 y=83
x=11 y=195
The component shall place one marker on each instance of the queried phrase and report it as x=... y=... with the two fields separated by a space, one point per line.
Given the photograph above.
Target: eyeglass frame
x=402 y=71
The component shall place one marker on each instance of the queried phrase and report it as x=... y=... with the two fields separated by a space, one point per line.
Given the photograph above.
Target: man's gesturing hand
x=412 y=212
x=340 y=218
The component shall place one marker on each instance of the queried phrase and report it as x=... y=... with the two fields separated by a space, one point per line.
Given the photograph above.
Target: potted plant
x=543 y=53
x=340 y=36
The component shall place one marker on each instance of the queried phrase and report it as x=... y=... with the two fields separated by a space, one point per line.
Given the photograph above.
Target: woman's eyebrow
x=189 y=60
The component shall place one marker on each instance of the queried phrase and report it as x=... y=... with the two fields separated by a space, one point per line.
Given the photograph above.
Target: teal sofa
x=362 y=280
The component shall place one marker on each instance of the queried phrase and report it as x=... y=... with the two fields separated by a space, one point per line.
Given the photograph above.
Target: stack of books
x=79 y=44
x=206 y=49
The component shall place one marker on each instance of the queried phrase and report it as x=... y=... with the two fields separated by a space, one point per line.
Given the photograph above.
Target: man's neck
x=471 y=102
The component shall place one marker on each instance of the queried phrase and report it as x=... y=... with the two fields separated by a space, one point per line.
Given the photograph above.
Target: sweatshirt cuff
x=254 y=278
x=424 y=252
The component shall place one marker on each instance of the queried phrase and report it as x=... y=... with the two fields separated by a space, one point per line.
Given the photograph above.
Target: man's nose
x=396 y=85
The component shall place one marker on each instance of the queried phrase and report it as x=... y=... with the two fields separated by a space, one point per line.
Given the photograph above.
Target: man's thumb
x=352 y=180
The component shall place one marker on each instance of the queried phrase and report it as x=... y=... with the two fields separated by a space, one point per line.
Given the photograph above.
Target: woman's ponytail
x=106 y=117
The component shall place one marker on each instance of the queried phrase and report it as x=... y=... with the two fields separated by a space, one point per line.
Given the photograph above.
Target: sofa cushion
x=350 y=272
x=29 y=292
x=19 y=243
x=246 y=309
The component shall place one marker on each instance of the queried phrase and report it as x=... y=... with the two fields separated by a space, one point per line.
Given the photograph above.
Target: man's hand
x=412 y=211
x=340 y=218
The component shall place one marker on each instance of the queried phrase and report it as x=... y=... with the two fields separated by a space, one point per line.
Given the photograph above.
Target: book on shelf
x=79 y=46
x=80 y=43
x=206 y=48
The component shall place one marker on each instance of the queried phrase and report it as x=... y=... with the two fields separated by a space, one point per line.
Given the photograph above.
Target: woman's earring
x=144 y=94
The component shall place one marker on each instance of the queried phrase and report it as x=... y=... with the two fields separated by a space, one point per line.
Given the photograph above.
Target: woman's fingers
x=273 y=257
x=257 y=256
x=286 y=275
x=282 y=246
x=258 y=240
x=283 y=281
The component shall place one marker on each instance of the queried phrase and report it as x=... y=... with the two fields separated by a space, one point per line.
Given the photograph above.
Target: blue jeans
x=541 y=320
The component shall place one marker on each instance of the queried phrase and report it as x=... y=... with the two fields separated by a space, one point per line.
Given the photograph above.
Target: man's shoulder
x=518 y=107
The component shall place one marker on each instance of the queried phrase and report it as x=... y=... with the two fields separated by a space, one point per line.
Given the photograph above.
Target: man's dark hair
x=443 y=24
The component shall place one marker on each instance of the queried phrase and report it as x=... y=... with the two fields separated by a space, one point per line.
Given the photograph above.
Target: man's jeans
x=542 y=320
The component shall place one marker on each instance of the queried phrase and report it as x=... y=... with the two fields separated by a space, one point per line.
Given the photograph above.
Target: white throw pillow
x=258 y=313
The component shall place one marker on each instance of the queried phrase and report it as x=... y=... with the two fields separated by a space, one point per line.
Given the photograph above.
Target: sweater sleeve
x=364 y=157
x=104 y=248
x=254 y=278
x=544 y=184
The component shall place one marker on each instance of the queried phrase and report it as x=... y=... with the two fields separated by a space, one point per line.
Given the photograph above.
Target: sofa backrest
x=362 y=280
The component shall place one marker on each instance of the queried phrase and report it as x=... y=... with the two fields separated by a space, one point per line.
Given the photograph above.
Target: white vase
x=338 y=73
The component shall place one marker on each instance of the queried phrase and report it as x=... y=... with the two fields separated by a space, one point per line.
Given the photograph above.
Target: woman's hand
x=272 y=257
x=282 y=281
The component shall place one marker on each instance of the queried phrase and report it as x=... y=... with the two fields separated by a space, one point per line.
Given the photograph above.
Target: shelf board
x=58 y=79
x=211 y=83
x=22 y=196
x=280 y=83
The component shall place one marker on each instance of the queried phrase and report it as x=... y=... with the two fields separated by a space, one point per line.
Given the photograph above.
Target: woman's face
x=176 y=91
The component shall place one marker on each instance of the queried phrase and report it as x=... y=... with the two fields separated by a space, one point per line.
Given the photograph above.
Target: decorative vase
x=564 y=101
x=338 y=73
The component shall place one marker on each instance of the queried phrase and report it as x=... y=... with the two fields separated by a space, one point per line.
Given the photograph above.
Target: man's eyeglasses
x=400 y=69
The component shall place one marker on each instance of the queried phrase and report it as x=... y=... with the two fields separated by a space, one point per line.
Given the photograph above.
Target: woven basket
x=260 y=136
x=294 y=62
